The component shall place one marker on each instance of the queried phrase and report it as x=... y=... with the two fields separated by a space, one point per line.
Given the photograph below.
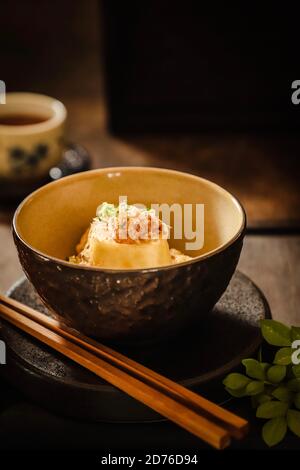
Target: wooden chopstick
x=236 y=426
x=152 y=397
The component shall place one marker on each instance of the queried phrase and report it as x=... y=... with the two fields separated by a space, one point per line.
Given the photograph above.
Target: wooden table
x=271 y=261
x=262 y=170
x=271 y=254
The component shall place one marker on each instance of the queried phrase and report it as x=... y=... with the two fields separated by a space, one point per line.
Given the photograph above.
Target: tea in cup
x=31 y=136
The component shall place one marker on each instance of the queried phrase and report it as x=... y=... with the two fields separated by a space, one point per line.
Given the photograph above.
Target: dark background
x=200 y=66
x=201 y=86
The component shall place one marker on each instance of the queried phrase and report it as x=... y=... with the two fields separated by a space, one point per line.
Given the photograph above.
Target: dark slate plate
x=199 y=358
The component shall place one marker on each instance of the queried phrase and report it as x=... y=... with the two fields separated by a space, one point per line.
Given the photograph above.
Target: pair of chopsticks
x=196 y=414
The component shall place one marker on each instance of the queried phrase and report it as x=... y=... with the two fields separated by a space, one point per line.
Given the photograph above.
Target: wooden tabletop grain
x=260 y=169
x=266 y=187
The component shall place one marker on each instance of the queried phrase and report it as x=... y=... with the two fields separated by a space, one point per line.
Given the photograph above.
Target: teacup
x=31 y=135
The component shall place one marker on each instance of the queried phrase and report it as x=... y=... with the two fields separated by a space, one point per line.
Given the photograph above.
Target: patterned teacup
x=31 y=135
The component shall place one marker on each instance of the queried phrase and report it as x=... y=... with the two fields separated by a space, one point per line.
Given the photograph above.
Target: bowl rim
x=240 y=232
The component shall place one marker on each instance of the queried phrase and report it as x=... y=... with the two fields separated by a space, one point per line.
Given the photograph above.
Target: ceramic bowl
x=138 y=305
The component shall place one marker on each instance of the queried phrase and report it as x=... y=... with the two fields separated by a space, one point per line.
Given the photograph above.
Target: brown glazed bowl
x=138 y=305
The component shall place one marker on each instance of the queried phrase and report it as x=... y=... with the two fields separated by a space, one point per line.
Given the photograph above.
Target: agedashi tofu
x=126 y=237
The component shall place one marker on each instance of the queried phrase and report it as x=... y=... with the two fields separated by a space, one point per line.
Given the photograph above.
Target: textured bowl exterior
x=131 y=306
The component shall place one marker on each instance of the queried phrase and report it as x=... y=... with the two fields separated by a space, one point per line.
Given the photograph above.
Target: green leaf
x=294 y=385
x=297 y=400
x=265 y=366
x=293 y=421
x=272 y=409
x=263 y=398
x=274 y=431
x=282 y=393
x=259 y=399
x=254 y=369
x=276 y=374
x=255 y=387
x=276 y=333
x=295 y=332
x=296 y=370
x=295 y=358
x=236 y=381
x=236 y=393
x=283 y=356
